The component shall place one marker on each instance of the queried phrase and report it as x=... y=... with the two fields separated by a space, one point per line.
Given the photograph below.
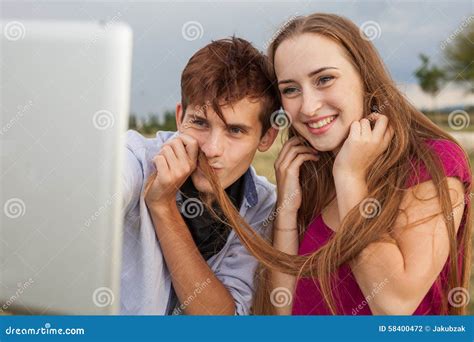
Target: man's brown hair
x=227 y=71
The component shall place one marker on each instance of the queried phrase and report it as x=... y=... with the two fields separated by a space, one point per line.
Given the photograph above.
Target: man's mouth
x=217 y=169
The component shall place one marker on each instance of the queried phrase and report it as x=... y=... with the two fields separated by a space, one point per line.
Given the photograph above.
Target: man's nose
x=213 y=146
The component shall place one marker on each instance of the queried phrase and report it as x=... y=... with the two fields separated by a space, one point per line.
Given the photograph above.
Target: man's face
x=230 y=148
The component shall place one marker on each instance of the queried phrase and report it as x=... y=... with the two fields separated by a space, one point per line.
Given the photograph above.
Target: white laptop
x=64 y=102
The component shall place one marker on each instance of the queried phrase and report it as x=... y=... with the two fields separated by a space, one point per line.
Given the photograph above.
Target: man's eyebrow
x=197 y=116
x=311 y=74
x=242 y=126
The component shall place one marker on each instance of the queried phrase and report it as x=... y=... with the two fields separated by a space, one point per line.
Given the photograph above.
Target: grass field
x=263 y=163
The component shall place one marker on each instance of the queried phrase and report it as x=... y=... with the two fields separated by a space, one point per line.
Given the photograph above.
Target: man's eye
x=198 y=122
x=235 y=130
x=325 y=79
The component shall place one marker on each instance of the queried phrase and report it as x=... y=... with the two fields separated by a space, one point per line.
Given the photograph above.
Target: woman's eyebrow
x=311 y=74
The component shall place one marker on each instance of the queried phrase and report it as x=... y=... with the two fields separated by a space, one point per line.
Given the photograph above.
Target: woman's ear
x=267 y=140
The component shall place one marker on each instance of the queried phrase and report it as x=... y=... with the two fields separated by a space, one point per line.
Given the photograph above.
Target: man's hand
x=174 y=164
x=176 y=161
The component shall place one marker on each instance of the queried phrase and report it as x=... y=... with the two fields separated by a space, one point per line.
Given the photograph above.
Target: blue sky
x=407 y=28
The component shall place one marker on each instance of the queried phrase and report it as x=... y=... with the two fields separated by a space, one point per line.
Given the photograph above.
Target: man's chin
x=201 y=183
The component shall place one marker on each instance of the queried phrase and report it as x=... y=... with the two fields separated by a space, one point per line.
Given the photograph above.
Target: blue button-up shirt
x=145 y=279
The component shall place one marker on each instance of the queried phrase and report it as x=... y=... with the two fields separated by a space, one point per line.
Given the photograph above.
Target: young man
x=177 y=257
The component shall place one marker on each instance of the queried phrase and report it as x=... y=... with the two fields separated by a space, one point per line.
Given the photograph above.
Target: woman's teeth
x=321 y=123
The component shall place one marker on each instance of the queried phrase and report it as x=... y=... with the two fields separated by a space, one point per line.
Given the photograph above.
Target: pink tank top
x=308 y=299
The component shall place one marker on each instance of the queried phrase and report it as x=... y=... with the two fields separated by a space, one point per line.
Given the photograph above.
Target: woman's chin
x=324 y=145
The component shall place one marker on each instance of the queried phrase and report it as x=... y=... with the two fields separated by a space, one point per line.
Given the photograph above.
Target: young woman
x=373 y=211
x=380 y=201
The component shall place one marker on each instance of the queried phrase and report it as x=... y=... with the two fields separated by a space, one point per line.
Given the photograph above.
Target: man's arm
x=175 y=162
x=188 y=269
x=132 y=180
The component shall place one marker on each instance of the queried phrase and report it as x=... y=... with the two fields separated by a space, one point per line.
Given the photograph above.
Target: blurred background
x=428 y=46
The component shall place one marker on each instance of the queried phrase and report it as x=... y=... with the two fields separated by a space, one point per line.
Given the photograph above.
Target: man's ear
x=179 y=115
x=267 y=140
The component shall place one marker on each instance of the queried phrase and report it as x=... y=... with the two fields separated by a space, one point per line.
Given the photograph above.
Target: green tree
x=460 y=56
x=169 y=121
x=430 y=78
x=132 y=121
x=151 y=125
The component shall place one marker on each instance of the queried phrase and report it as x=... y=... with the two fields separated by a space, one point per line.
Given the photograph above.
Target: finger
x=355 y=129
x=162 y=169
x=286 y=147
x=191 y=145
x=180 y=151
x=160 y=163
x=171 y=159
x=372 y=117
x=380 y=128
x=365 y=129
x=388 y=136
x=294 y=152
x=300 y=159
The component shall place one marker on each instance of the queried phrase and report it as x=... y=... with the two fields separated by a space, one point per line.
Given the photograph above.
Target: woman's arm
x=408 y=265
x=285 y=238
x=405 y=269
x=285 y=231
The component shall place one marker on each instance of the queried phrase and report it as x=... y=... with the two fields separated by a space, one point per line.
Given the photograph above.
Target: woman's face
x=320 y=89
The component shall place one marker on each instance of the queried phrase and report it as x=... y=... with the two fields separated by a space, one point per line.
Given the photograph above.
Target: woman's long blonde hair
x=386 y=179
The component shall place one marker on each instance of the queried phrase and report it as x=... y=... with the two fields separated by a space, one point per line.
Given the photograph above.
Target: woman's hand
x=287 y=170
x=363 y=146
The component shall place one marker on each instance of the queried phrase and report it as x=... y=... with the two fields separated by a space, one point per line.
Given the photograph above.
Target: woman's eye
x=290 y=91
x=325 y=79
